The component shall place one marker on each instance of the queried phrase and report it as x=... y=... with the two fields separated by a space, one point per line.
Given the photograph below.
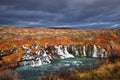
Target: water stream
x=69 y=64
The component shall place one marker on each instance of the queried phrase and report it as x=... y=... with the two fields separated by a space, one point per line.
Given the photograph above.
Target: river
x=69 y=64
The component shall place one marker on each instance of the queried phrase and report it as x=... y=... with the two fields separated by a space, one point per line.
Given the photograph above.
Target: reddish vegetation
x=15 y=37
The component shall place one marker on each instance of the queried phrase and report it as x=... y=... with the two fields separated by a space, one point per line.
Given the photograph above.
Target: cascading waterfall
x=102 y=51
x=94 y=51
x=59 y=51
x=44 y=53
x=46 y=56
x=62 y=51
x=33 y=63
x=67 y=55
x=39 y=61
x=84 y=52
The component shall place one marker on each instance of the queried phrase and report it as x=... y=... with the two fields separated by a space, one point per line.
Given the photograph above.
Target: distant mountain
x=60 y=28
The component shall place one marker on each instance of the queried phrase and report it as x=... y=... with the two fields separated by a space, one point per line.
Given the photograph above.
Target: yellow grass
x=109 y=71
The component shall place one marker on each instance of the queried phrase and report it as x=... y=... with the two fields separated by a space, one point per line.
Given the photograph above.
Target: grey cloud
x=58 y=12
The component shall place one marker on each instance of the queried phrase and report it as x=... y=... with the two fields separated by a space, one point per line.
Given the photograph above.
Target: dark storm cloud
x=58 y=12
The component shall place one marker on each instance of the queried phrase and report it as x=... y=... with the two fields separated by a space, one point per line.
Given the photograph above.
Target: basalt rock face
x=51 y=53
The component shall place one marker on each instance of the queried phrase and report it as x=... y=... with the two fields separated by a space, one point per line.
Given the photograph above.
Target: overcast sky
x=61 y=13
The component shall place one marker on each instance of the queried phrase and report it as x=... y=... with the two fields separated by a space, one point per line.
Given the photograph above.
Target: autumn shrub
x=114 y=55
x=62 y=74
x=8 y=75
x=51 y=77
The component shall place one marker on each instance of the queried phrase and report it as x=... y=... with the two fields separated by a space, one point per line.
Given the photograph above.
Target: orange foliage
x=113 y=35
x=98 y=40
x=12 y=58
x=65 y=40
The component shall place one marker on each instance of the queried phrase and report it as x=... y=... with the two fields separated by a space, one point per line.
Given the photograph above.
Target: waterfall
x=67 y=55
x=84 y=53
x=33 y=63
x=47 y=59
x=63 y=53
x=37 y=52
x=106 y=53
x=48 y=54
x=77 y=53
x=39 y=61
x=102 y=52
x=44 y=53
x=59 y=51
x=24 y=63
x=94 y=51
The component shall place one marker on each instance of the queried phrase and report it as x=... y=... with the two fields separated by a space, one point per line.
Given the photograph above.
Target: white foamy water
x=95 y=51
x=67 y=54
x=63 y=53
x=84 y=52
